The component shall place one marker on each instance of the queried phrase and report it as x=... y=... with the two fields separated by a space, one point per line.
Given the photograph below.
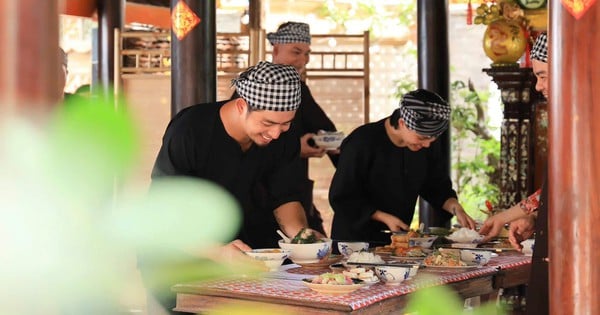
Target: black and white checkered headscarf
x=540 y=48
x=269 y=86
x=425 y=112
x=290 y=32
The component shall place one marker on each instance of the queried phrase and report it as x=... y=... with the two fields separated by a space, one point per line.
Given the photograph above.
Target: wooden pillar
x=110 y=17
x=434 y=75
x=193 y=54
x=30 y=63
x=574 y=155
x=517 y=141
x=257 y=41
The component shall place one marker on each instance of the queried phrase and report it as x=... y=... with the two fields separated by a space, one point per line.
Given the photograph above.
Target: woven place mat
x=308 y=271
x=505 y=261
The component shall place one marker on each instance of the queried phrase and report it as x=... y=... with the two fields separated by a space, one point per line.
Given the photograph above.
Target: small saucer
x=323 y=263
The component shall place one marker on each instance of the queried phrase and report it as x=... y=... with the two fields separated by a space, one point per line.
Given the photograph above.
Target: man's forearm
x=291 y=218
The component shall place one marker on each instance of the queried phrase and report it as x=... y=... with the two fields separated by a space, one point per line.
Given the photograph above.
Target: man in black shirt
x=384 y=166
x=291 y=46
x=242 y=146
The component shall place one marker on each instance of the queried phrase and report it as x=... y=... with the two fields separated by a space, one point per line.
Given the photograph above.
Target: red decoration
x=469 y=13
x=488 y=205
x=577 y=8
x=85 y=8
x=526 y=59
x=183 y=19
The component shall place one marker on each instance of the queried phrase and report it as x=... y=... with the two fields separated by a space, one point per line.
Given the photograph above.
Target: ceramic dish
x=463 y=245
x=451 y=267
x=480 y=247
x=323 y=263
x=334 y=289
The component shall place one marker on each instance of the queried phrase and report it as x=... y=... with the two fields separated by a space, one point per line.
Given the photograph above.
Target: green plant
x=446 y=302
x=376 y=16
x=476 y=153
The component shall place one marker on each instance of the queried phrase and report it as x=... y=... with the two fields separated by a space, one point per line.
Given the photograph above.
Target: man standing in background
x=291 y=46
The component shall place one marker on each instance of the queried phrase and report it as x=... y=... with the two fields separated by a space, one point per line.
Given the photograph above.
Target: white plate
x=323 y=263
x=370 y=282
x=408 y=257
x=335 y=289
x=451 y=267
x=482 y=248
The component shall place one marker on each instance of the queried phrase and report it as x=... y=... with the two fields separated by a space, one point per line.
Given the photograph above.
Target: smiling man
x=242 y=145
x=384 y=166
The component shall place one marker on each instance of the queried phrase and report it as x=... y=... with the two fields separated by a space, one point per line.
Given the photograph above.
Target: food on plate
x=503 y=243
x=403 y=238
x=306 y=236
x=365 y=257
x=361 y=273
x=414 y=251
x=401 y=241
x=465 y=235
x=446 y=258
x=333 y=278
x=384 y=250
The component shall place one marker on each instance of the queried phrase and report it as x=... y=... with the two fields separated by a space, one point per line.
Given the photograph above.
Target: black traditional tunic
x=310 y=118
x=374 y=174
x=538 y=290
x=261 y=179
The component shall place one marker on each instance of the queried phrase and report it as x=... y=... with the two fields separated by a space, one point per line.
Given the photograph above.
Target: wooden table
x=284 y=293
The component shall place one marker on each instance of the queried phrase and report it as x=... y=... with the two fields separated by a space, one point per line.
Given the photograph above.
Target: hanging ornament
x=469 y=13
x=577 y=8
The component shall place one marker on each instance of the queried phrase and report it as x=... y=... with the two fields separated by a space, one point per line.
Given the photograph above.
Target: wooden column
x=110 y=17
x=517 y=87
x=434 y=75
x=30 y=63
x=194 y=58
x=574 y=155
x=257 y=42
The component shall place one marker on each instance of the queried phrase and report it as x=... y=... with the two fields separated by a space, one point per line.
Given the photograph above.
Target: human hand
x=492 y=227
x=239 y=245
x=233 y=252
x=308 y=151
x=393 y=223
x=463 y=218
x=520 y=230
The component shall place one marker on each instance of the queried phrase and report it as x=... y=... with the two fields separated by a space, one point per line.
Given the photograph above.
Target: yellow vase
x=504 y=42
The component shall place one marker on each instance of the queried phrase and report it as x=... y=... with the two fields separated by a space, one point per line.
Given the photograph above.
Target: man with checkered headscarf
x=386 y=165
x=539 y=63
x=242 y=145
x=291 y=46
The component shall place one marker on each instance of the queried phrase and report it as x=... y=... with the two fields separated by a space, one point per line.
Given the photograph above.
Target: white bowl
x=423 y=242
x=464 y=245
x=475 y=257
x=392 y=275
x=307 y=253
x=528 y=246
x=413 y=271
x=347 y=248
x=329 y=140
x=272 y=258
